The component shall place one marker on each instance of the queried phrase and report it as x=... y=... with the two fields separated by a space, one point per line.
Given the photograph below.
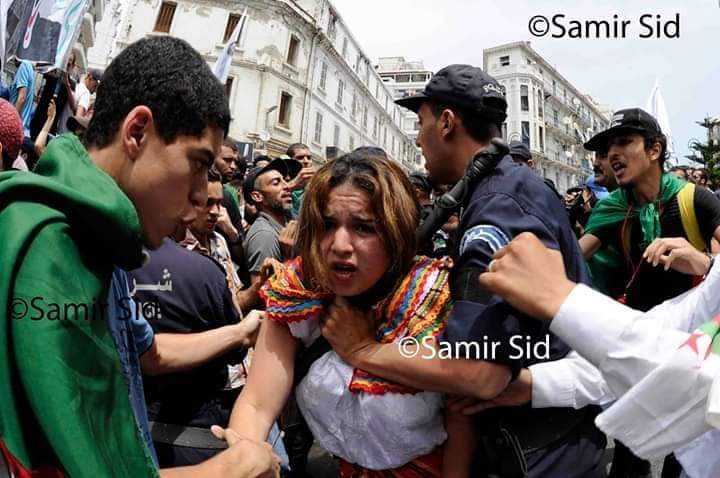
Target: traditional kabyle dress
x=370 y=423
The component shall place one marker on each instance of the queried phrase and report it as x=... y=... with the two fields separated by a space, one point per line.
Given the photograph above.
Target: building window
x=165 y=17
x=392 y=148
x=293 y=48
x=228 y=86
x=526 y=133
x=555 y=118
x=232 y=22
x=336 y=136
x=504 y=131
x=377 y=90
x=351 y=142
x=540 y=103
x=384 y=137
x=375 y=127
x=419 y=78
x=344 y=47
x=367 y=75
x=541 y=139
x=402 y=79
x=284 y=110
x=341 y=90
x=318 y=127
x=524 y=103
x=504 y=61
x=357 y=64
x=554 y=88
x=332 y=26
x=353 y=109
x=364 y=117
x=323 y=75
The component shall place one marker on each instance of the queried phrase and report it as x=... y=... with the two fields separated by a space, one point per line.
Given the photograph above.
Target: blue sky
x=616 y=71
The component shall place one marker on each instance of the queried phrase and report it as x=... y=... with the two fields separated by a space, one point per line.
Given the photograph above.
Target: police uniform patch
x=493 y=236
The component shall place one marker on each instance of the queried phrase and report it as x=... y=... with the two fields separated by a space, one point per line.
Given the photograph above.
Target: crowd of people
x=171 y=308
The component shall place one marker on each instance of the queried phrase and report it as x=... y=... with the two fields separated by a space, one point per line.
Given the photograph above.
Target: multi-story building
x=405 y=78
x=297 y=75
x=546 y=112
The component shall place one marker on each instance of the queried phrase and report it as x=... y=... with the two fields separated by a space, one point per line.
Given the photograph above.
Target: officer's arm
x=421 y=367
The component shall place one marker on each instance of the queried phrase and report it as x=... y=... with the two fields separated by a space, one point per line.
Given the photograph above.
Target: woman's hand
x=350 y=331
x=677 y=253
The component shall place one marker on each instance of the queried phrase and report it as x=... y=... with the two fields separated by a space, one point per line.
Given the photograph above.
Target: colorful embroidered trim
x=419 y=308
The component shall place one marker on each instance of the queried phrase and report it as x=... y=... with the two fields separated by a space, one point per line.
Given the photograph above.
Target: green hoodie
x=64 y=399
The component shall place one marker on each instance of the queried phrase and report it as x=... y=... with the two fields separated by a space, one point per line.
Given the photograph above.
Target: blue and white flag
x=224 y=61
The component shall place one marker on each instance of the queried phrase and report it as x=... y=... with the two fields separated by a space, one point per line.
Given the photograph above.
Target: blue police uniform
x=555 y=442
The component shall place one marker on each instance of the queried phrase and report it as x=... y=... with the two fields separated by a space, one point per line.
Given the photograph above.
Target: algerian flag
x=222 y=65
x=667 y=408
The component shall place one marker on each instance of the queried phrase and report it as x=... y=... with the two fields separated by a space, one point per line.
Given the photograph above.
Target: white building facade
x=546 y=112
x=297 y=75
x=405 y=78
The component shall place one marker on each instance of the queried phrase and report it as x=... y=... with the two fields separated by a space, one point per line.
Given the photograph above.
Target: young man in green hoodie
x=69 y=383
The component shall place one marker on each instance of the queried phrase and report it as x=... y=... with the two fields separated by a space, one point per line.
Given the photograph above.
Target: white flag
x=222 y=65
x=656 y=107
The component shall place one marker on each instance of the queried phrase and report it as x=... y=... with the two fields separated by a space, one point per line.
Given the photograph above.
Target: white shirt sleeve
x=626 y=344
x=571 y=382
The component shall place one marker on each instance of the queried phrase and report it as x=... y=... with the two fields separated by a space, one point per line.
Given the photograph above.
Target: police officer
x=460 y=111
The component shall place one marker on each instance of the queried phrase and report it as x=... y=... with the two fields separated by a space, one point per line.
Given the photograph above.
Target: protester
x=202 y=237
x=22 y=93
x=11 y=135
x=678 y=172
x=604 y=175
x=160 y=119
x=344 y=258
x=261 y=161
x=520 y=153
x=267 y=190
x=300 y=153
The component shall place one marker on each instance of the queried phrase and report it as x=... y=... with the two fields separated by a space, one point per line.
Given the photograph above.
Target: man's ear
x=448 y=122
x=655 y=151
x=257 y=197
x=135 y=130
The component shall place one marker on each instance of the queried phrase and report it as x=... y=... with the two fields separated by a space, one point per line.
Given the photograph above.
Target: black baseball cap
x=520 y=150
x=422 y=181
x=466 y=86
x=634 y=120
x=249 y=183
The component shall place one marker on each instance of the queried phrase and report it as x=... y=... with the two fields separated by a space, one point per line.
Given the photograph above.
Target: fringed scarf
x=419 y=307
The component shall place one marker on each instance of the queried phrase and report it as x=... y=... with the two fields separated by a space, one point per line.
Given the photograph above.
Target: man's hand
x=51 y=111
x=245 y=458
x=529 y=276
x=287 y=238
x=678 y=254
x=225 y=225
x=349 y=331
x=301 y=180
x=249 y=327
x=517 y=393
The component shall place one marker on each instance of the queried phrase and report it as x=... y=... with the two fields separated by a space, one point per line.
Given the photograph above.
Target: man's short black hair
x=231 y=143
x=294 y=147
x=479 y=128
x=168 y=76
x=261 y=157
x=214 y=175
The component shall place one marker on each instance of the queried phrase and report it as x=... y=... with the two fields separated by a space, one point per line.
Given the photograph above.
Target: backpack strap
x=686 y=204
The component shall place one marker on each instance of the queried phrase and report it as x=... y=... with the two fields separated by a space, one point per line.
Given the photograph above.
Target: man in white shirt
x=661 y=376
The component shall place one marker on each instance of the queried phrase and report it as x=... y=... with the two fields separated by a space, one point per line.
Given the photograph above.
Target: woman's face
x=351 y=247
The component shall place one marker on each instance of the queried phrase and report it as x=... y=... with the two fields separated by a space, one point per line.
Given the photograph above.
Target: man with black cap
x=521 y=155
x=267 y=189
x=652 y=214
x=460 y=111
